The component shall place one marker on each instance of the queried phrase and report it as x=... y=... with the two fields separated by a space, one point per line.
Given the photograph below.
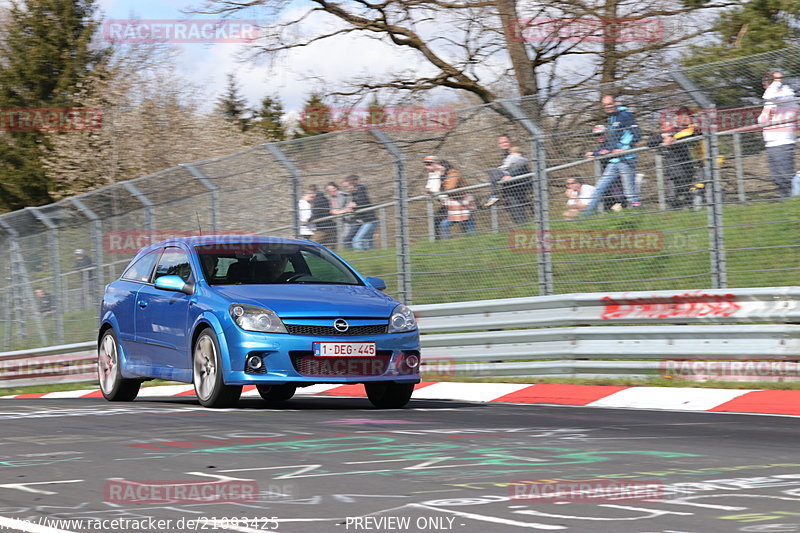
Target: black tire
x=211 y=391
x=276 y=393
x=388 y=394
x=113 y=386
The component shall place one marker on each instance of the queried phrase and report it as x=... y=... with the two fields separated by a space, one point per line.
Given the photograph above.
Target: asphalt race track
x=335 y=464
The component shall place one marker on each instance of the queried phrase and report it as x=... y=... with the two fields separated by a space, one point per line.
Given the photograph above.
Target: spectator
x=579 y=195
x=325 y=229
x=614 y=198
x=363 y=227
x=516 y=193
x=304 y=212
x=460 y=205
x=84 y=264
x=436 y=173
x=778 y=119
x=622 y=133
x=339 y=201
x=45 y=302
x=679 y=165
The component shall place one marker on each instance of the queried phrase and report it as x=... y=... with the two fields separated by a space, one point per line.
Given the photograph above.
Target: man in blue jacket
x=622 y=133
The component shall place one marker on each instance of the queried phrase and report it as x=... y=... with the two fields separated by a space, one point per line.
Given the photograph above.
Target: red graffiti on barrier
x=690 y=304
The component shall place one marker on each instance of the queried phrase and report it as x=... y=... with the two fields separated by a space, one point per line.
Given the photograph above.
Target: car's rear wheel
x=207 y=373
x=389 y=395
x=112 y=384
x=276 y=393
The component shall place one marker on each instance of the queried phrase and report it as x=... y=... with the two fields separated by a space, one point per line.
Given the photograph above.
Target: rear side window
x=174 y=262
x=141 y=268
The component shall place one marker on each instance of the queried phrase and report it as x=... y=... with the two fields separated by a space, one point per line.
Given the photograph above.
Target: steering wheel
x=287 y=277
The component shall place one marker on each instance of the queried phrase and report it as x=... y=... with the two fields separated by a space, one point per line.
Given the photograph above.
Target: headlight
x=402 y=319
x=252 y=318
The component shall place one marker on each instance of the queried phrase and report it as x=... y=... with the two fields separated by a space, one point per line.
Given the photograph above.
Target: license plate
x=339 y=349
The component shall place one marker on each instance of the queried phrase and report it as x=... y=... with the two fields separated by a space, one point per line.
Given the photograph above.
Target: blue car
x=230 y=310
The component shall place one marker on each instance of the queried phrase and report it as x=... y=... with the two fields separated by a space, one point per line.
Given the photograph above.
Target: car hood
x=300 y=300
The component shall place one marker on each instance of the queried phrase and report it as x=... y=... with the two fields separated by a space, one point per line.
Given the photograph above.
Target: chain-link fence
x=693 y=203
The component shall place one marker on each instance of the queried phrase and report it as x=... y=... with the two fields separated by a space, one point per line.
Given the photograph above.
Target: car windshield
x=272 y=263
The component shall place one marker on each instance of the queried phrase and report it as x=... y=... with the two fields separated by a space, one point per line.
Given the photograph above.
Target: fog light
x=412 y=361
x=254 y=362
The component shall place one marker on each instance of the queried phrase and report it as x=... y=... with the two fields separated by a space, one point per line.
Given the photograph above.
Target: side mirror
x=174 y=284
x=376 y=283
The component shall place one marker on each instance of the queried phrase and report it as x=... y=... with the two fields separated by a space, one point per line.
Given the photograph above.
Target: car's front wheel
x=207 y=373
x=276 y=393
x=389 y=395
x=112 y=385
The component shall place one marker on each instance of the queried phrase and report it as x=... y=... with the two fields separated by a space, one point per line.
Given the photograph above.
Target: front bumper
x=290 y=359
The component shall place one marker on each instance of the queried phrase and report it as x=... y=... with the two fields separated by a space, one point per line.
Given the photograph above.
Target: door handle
x=142 y=304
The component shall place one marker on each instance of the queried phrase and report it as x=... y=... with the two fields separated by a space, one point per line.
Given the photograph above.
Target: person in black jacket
x=363 y=229
x=679 y=165
x=325 y=229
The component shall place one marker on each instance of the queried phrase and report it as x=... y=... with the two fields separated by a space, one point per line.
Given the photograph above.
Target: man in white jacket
x=779 y=122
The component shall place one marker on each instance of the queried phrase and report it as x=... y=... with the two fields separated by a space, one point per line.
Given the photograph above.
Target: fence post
x=662 y=201
x=146 y=202
x=97 y=238
x=55 y=265
x=401 y=214
x=739 y=162
x=384 y=226
x=431 y=212
x=542 y=206
x=203 y=179
x=715 y=222
x=294 y=174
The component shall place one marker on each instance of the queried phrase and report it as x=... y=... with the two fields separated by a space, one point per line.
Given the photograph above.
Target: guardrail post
x=97 y=238
x=149 y=206
x=401 y=215
x=55 y=265
x=294 y=174
x=662 y=201
x=213 y=190
x=739 y=163
x=715 y=222
x=542 y=207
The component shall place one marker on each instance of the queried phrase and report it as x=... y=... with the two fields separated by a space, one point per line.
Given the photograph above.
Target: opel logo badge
x=341 y=325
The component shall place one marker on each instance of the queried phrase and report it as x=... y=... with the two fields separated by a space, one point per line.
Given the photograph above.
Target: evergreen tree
x=315 y=118
x=756 y=26
x=44 y=56
x=268 y=119
x=233 y=106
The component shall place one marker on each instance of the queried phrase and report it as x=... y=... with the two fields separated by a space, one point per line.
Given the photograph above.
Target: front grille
x=295 y=329
x=307 y=364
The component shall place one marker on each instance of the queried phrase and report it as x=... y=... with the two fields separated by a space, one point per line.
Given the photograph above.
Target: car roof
x=199 y=240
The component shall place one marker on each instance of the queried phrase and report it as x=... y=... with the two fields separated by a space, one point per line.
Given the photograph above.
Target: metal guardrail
x=67 y=363
x=523 y=336
x=589 y=335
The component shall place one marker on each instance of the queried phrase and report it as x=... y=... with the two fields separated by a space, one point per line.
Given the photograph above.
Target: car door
x=162 y=316
x=121 y=299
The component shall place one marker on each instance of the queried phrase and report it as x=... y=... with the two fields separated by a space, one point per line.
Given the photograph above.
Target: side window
x=174 y=262
x=324 y=270
x=141 y=268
